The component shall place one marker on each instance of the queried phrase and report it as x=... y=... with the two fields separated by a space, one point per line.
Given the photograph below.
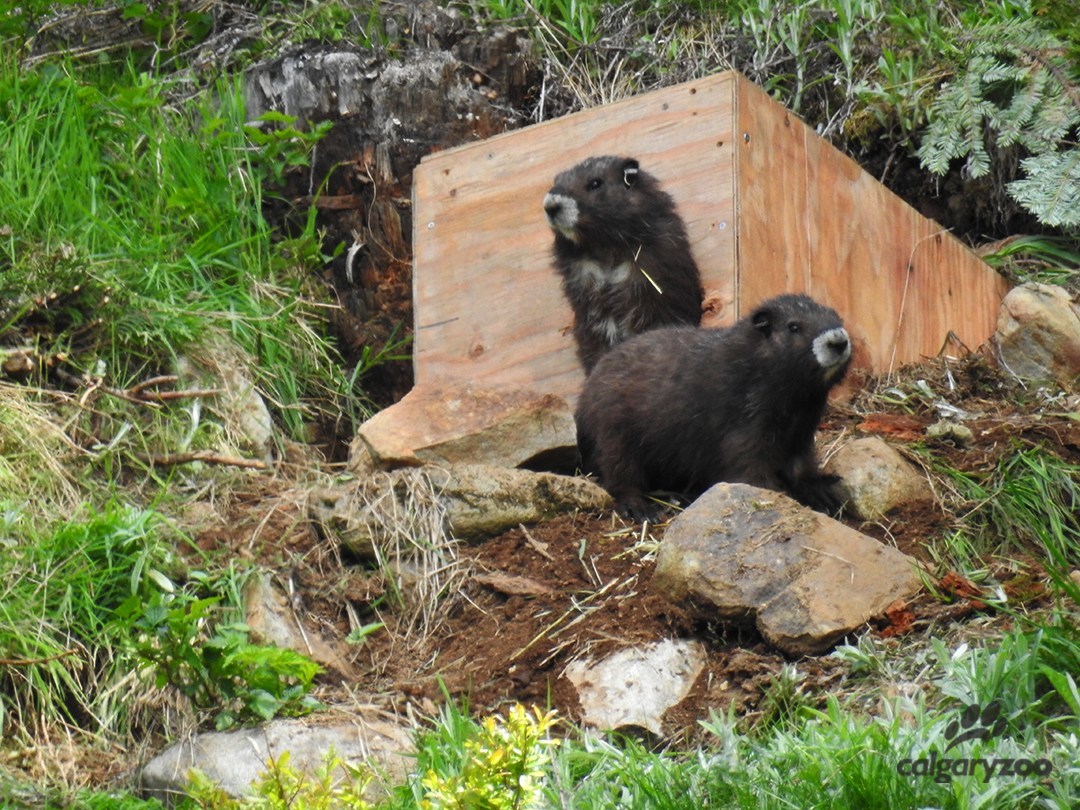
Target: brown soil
x=537 y=597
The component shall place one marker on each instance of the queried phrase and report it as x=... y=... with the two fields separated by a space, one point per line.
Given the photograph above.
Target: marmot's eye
x=794 y=327
x=594 y=184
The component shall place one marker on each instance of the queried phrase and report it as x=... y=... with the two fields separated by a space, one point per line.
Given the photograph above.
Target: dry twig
x=205 y=456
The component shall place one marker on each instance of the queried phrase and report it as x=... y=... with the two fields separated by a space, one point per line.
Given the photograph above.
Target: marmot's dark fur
x=680 y=408
x=622 y=252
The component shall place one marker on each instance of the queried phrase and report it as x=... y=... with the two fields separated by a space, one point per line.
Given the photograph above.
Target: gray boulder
x=235 y=759
x=804 y=580
x=1038 y=334
x=877 y=477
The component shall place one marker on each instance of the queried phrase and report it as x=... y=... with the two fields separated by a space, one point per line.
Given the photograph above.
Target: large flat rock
x=453 y=423
x=803 y=579
x=471 y=502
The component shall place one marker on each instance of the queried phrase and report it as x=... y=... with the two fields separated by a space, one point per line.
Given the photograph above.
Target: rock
x=950 y=431
x=367 y=514
x=396 y=97
x=1038 y=334
x=235 y=759
x=483 y=501
x=877 y=477
x=634 y=687
x=272 y=621
x=222 y=366
x=805 y=580
x=457 y=423
x=17 y=362
x=469 y=501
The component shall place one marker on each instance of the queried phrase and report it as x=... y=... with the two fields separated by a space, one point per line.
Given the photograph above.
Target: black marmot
x=680 y=408
x=622 y=252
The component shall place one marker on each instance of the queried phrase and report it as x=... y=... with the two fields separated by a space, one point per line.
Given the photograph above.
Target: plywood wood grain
x=487 y=300
x=811 y=220
x=770 y=207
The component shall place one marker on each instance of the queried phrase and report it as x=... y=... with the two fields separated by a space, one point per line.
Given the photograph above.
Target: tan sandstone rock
x=1038 y=334
x=805 y=580
x=877 y=477
x=456 y=423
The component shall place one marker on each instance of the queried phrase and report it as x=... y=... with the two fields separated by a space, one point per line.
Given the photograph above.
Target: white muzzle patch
x=832 y=348
x=562 y=214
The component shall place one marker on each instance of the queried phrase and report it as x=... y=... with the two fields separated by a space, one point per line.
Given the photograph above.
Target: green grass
x=821 y=753
x=1029 y=503
x=132 y=229
x=1046 y=259
x=833 y=756
x=65 y=644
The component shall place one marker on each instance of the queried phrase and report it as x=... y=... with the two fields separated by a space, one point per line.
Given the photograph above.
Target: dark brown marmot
x=622 y=252
x=680 y=408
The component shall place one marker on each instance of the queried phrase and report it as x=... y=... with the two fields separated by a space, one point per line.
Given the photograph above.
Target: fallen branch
x=205 y=456
x=138 y=393
x=151 y=397
x=161 y=379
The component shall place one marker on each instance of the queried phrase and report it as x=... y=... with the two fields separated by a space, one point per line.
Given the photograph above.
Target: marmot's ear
x=630 y=172
x=762 y=321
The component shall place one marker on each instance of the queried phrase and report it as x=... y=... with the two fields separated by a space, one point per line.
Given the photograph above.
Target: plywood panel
x=488 y=307
x=811 y=220
x=859 y=241
x=944 y=296
x=770 y=180
x=770 y=207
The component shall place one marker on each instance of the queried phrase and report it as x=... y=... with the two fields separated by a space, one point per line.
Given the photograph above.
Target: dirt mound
x=537 y=597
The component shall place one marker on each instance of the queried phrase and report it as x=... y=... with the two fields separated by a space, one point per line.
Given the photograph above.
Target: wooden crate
x=770 y=207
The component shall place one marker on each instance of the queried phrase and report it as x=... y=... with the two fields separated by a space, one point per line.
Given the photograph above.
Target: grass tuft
x=134 y=225
x=1029 y=503
x=62 y=639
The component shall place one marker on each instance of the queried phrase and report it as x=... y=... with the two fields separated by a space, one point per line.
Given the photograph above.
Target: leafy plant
x=282 y=145
x=216 y=666
x=502 y=767
x=335 y=785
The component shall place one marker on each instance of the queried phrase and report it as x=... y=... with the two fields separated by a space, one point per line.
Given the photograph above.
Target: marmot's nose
x=552 y=205
x=839 y=342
